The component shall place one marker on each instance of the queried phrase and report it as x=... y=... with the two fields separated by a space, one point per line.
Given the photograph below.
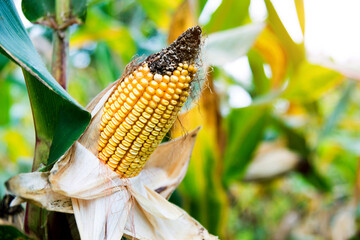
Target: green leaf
x=8 y=232
x=301 y=14
x=230 y=14
x=78 y=9
x=227 y=46
x=339 y=109
x=59 y=120
x=260 y=80
x=295 y=51
x=5 y=100
x=160 y=11
x=309 y=82
x=245 y=131
x=297 y=142
x=37 y=11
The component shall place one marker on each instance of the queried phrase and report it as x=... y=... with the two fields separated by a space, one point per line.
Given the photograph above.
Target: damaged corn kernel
x=139 y=113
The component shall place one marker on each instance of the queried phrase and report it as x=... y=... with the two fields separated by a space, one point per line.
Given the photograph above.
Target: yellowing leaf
x=160 y=11
x=17 y=145
x=183 y=18
x=202 y=182
x=310 y=82
x=274 y=54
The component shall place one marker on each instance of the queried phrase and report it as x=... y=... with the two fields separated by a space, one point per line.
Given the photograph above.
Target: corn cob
x=144 y=106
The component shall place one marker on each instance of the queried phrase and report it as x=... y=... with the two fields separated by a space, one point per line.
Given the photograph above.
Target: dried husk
x=81 y=184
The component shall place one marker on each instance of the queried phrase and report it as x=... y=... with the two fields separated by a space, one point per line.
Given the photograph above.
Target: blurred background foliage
x=278 y=153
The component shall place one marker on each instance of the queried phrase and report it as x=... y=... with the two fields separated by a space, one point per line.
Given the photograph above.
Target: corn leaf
x=301 y=14
x=44 y=10
x=160 y=11
x=310 y=82
x=245 y=131
x=296 y=51
x=8 y=232
x=205 y=196
x=274 y=53
x=59 y=120
x=184 y=18
x=226 y=46
x=230 y=14
x=298 y=143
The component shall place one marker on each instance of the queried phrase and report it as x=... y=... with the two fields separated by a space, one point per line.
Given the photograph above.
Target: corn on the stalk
x=144 y=105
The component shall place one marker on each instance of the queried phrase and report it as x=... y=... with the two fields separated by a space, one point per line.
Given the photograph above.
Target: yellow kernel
x=158 y=111
x=176 y=73
x=156 y=98
x=139 y=87
x=166 y=79
x=135 y=113
x=152 y=104
x=150 y=90
x=174 y=79
x=143 y=137
x=167 y=96
x=120 y=151
x=130 y=122
x=159 y=93
x=170 y=91
x=137 y=108
x=178 y=91
x=172 y=85
x=129 y=101
x=144 y=82
x=148 y=129
x=154 y=120
x=182 y=79
x=139 y=74
x=164 y=102
x=150 y=124
x=134 y=132
x=157 y=116
x=154 y=84
x=126 y=125
x=149 y=110
x=127 y=106
x=146 y=115
x=147 y=96
x=139 y=124
x=163 y=86
x=141 y=105
x=142 y=119
x=149 y=76
x=157 y=77
x=184 y=72
x=144 y=101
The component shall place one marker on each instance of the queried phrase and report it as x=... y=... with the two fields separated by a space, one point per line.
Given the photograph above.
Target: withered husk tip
x=185 y=48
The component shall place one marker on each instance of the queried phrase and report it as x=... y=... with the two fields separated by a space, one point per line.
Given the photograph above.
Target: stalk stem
x=59 y=58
